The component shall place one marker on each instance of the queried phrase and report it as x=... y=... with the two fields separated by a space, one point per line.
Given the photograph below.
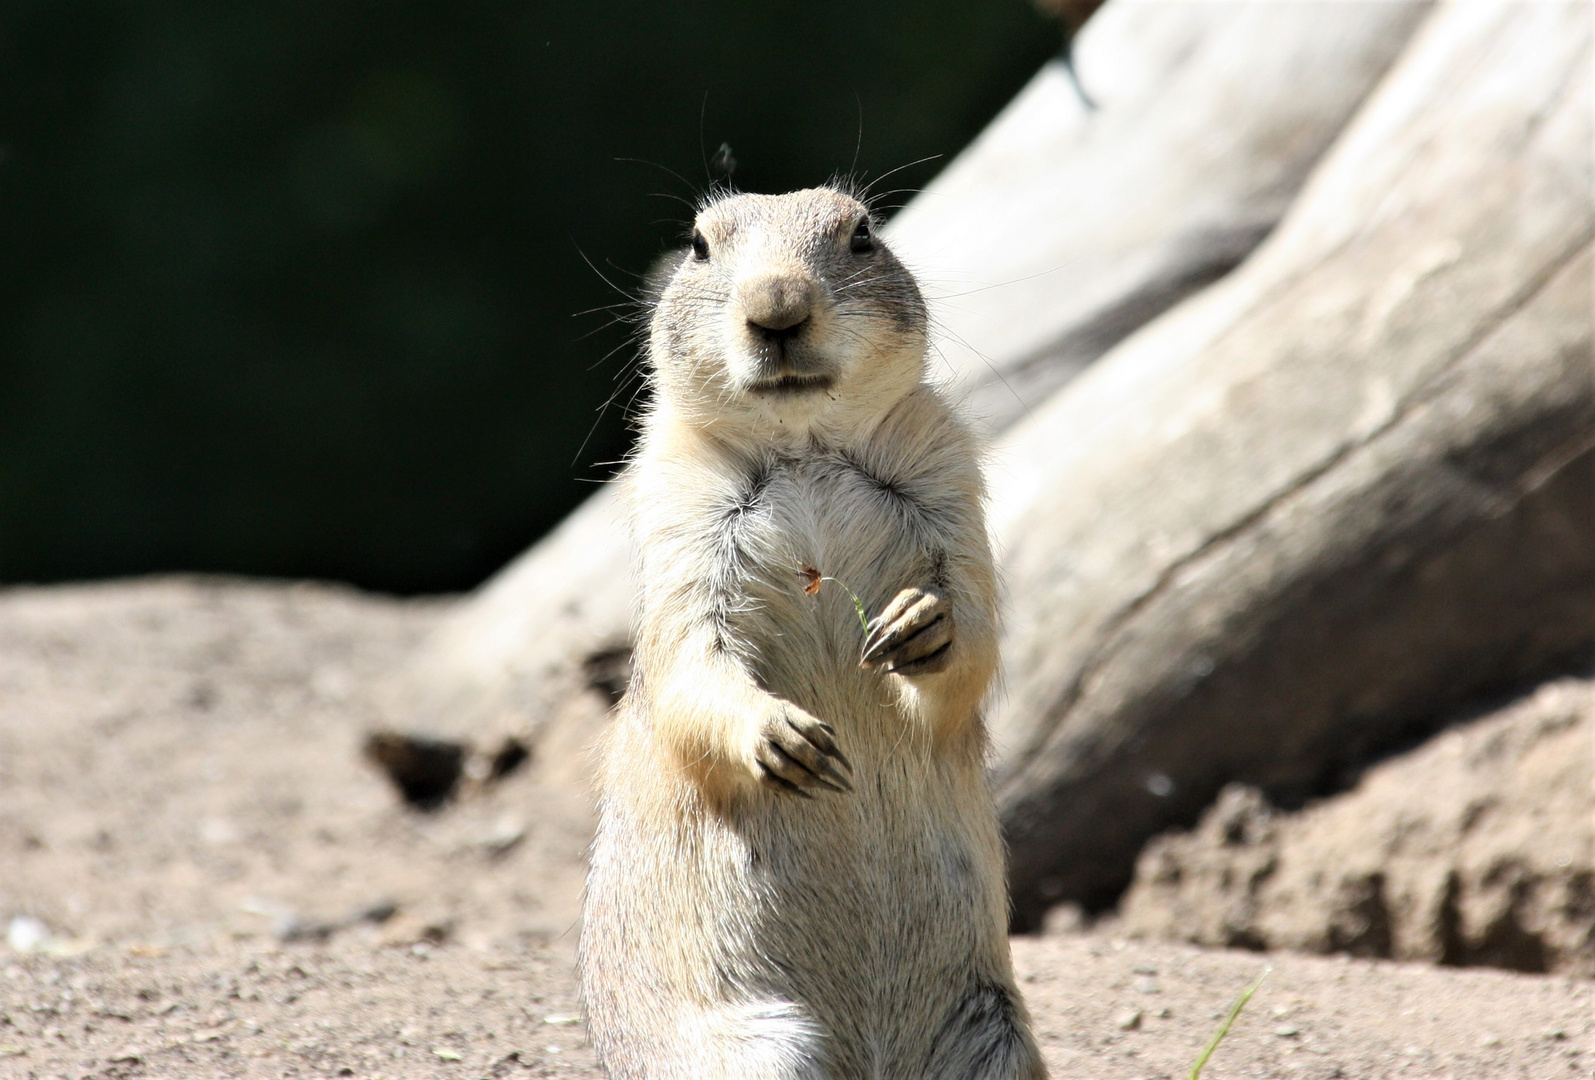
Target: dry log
x=1206 y=120
x=1065 y=226
x=1291 y=523
x=541 y=641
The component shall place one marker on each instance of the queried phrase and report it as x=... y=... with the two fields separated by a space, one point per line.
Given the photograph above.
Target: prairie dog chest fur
x=865 y=517
x=797 y=871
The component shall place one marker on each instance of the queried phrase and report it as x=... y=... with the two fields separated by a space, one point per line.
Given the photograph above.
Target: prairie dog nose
x=777 y=305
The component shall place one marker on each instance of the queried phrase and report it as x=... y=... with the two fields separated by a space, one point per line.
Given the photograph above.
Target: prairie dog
x=797 y=871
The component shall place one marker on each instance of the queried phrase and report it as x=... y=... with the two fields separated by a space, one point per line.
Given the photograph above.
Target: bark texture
x=1290 y=524
x=1067 y=225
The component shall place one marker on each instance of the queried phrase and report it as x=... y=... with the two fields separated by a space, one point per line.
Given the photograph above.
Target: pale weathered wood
x=1293 y=521
x=1058 y=232
x=519 y=653
x=1063 y=227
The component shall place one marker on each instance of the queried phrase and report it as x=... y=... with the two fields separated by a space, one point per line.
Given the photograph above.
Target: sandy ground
x=354 y=1008
x=199 y=876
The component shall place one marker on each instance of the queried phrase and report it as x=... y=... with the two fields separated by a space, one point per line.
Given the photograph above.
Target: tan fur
x=798 y=872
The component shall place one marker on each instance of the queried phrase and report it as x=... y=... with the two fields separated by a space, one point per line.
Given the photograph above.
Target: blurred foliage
x=290 y=288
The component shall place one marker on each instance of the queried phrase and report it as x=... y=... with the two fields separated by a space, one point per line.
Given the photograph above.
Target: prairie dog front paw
x=794 y=751
x=913 y=636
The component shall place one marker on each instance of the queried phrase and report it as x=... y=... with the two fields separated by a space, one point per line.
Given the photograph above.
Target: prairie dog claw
x=793 y=752
x=913 y=636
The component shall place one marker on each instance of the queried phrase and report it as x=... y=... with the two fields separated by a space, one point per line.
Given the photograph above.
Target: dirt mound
x=1478 y=848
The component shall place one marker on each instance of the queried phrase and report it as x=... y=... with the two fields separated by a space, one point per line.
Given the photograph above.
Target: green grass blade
x=1218 y=1037
x=858 y=605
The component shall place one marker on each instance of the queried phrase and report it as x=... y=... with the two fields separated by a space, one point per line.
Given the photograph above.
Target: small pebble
x=505 y=835
x=1129 y=1020
x=1287 y=1032
x=25 y=934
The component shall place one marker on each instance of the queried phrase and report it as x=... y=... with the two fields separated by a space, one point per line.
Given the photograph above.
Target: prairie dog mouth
x=792 y=384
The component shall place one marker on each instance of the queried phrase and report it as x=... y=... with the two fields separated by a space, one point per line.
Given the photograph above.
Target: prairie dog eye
x=863 y=240
x=700 y=246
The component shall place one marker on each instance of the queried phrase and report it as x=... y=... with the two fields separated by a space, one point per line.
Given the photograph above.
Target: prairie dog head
x=787 y=313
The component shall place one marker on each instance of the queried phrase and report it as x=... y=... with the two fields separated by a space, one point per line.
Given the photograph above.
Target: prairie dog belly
x=801 y=636
x=868 y=913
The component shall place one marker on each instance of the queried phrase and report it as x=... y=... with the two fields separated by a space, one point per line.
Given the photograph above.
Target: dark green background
x=290 y=288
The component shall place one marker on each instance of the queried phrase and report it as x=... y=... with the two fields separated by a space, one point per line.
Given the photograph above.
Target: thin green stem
x=1235 y=1011
x=858 y=605
x=815 y=578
